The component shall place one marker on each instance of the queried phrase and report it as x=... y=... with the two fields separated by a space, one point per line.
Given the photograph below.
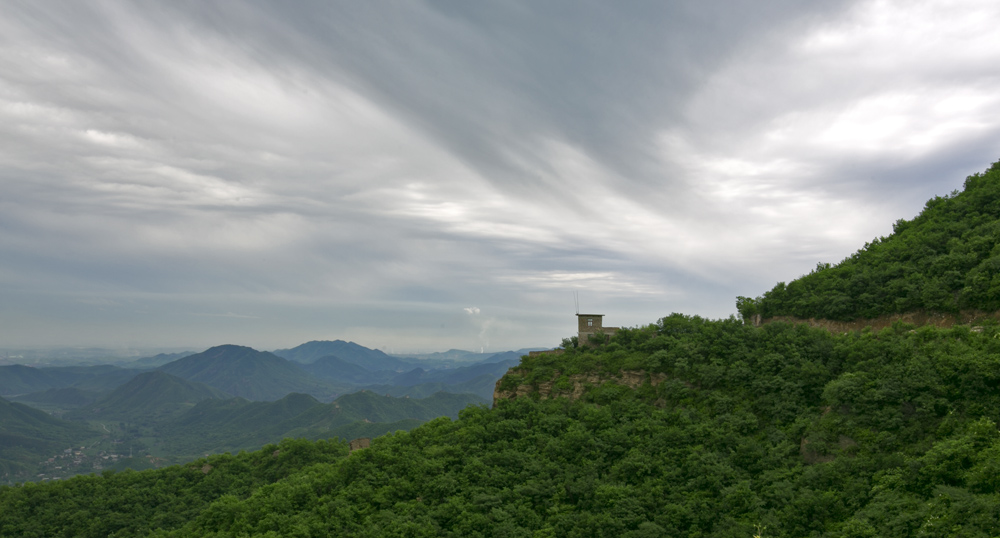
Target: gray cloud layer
x=445 y=174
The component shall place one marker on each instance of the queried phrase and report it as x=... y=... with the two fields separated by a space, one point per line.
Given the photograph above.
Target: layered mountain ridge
x=226 y=398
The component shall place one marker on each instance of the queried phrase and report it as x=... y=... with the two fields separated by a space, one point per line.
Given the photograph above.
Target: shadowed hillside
x=236 y=424
x=336 y=369
x=25 y=433
x=148 y=395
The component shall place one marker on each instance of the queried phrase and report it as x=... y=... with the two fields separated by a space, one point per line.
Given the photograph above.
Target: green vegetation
x=131 y=503
x=148 y=396
x=792 y=430
x=413 y=381
x=481 y=385
x=237 y=424
x=945 y=260
x=157 y=419
x=27 y=432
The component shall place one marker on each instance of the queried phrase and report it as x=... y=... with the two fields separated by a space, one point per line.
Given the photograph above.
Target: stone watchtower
x=589 y=324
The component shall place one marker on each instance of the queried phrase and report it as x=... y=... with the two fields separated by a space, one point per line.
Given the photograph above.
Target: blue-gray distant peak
x=244 y=371
x=369 y=359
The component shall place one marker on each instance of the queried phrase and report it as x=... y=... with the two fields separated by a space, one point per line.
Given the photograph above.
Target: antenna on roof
x=576 y=299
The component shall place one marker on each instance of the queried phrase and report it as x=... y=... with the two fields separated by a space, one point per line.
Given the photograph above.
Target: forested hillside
x=215 y=426
x=946 y=260
x=780 y=430
x=147 y=396
x=26 y=432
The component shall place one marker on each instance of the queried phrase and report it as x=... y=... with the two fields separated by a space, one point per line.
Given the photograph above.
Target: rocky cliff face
x=572 y=386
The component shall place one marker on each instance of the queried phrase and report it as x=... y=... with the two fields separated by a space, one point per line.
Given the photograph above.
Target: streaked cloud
x=363 y=171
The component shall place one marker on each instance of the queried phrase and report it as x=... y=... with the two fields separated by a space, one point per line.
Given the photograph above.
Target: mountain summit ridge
x=244 y=371
x=946 y=260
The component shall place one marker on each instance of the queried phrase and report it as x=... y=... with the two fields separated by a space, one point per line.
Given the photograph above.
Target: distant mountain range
x=252 y=374
x=478 y=379
x=235 y=424
x=149 y=394
x=460 y=357
x=323 y=369
x=61 y=398
x=17 y=379
x=372 y=360
x=474 y=378
x=481 y=386
x=158 y=359
x=228 y=398
x=334 y=368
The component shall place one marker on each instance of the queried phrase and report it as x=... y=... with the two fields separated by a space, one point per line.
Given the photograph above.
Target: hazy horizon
x=125 y=354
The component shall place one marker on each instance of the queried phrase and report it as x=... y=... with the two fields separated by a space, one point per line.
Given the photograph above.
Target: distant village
x=73 y=461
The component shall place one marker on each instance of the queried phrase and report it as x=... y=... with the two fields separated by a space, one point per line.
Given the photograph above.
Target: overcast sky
x=419 y=176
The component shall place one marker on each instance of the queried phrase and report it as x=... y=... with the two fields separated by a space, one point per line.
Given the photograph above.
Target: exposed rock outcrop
x=576 y=386
x=359 y=443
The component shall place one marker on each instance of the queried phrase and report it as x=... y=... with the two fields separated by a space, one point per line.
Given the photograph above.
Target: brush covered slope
x=687 y=427
x=26 y=432
x=148 y=396
x=945 y=260
x=238 y=424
